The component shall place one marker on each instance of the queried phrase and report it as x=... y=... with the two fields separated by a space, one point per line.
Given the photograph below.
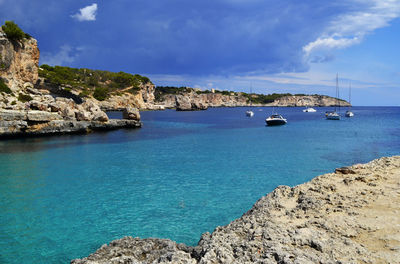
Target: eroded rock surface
x=30 y=107
x=350 y=216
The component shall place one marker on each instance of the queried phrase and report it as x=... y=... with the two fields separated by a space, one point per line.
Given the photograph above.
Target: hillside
x=99 y=84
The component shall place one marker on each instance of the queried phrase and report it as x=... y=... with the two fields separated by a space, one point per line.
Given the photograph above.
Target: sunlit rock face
x=19 y=62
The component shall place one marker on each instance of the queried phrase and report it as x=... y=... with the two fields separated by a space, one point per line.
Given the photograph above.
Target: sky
x=269 y=46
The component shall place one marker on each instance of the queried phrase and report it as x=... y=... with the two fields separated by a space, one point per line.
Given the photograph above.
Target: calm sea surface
x=182 y=174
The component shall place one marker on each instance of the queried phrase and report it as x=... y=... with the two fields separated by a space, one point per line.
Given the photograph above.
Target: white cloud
x=61 y=58
x=351 y=28
x=330 y=43
x=87 y=13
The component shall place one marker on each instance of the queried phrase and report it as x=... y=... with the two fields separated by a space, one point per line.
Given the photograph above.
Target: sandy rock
x=131 y=113
x=335 y=218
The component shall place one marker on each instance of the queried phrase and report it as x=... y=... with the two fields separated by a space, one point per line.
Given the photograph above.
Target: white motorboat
x=309 y=110
x=349 y=113
x=275 y=120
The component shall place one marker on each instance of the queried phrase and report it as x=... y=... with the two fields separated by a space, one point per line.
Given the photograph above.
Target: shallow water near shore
x=182 y=174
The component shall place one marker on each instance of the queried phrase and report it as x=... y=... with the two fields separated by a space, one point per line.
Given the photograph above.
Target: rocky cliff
x=29 y=108
x=190 y=99
x=308 y=100
x=18 y=62
x=143 y=100
x=350 y=216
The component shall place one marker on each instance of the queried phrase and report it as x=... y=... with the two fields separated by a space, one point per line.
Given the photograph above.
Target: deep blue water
x=182 y=174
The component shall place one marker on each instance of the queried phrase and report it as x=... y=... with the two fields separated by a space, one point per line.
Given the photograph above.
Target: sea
x=180 y=175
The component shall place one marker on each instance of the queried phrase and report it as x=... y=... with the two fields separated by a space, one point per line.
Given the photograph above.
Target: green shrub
x=13 y=32
x=24 y=98
x=84 y=93
x=134 y=90
x=13 y=103
x=100 y=93
x=4 y=88
x=46 y=67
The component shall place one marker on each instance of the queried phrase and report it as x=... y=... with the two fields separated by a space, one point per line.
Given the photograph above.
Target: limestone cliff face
x=194 y=101
x=308 y=100
x=19 y=62
x=143 y=100
x=191 y=101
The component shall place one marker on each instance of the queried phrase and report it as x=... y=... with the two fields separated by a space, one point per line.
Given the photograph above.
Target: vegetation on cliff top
x=14 y=32
x=99 y=84
x=4 y=88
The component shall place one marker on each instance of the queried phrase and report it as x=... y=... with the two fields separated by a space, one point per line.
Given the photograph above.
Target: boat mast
x=350 y=96
x=337 y=81
x=251 y=91
x=336 y=92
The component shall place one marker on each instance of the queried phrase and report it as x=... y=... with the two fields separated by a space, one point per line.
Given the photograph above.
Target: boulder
x=82 y=115
x=131 y=113
x=100 y=116
x=54 y=107
x=183 y=103
x=35 y=105
x=198 y=105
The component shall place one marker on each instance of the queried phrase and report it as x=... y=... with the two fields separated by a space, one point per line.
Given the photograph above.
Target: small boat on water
x=249 y=113
x=309 y=110
x=349 y=113
x=333 y=116
x=275 y=120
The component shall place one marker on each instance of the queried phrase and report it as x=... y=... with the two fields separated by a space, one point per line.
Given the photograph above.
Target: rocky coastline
x=349 y=216
x=30 y=107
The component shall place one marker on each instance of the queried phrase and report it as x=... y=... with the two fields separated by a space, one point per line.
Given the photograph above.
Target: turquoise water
x=182 y=174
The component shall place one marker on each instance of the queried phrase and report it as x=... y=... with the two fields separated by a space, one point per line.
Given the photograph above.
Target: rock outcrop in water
x=29 y=107
x=350 y=216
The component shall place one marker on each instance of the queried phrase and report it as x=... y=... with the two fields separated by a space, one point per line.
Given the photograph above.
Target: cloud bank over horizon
x=225 y=38
x=215 y=37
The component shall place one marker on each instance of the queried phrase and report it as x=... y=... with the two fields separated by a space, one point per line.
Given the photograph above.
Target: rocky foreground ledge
x=350 y=216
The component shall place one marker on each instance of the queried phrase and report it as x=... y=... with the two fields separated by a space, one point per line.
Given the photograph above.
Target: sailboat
x=349 y=113
x=309 y=110
x=250 y=113
x=333 y=115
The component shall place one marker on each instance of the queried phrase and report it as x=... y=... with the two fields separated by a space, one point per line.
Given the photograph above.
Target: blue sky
x=273 y=46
